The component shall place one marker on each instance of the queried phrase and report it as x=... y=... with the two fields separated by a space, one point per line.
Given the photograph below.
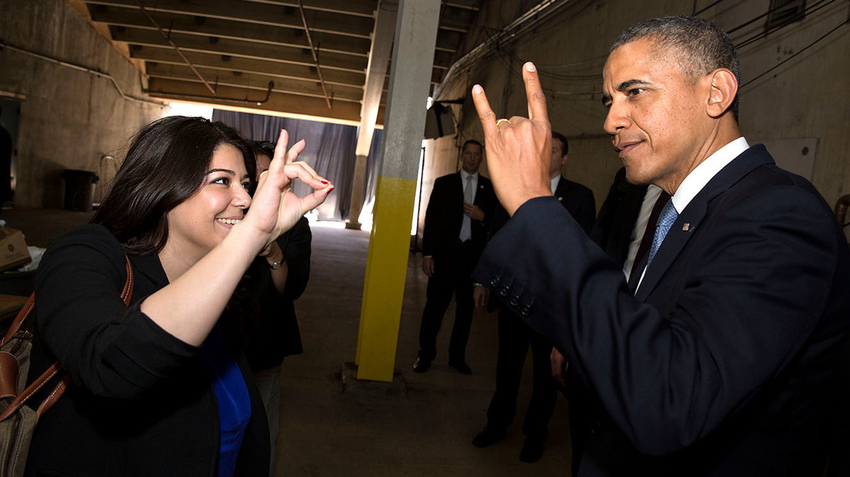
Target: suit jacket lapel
x=561 y=189
x=687 y=224
x=479 y=193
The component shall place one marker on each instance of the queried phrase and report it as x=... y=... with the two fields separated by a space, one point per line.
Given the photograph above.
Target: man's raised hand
x=518 y=150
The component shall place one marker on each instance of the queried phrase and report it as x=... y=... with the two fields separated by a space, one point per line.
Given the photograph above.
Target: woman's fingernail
x=326 y=182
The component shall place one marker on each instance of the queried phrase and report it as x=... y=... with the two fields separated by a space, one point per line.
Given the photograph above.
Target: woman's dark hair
x=165 y=165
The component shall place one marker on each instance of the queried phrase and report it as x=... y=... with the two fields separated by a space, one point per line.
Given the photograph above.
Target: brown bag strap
x=127 y=292
x=19 y=319
x=31 y=389
x=24 y=312
x=58 y=391
x=55 y=369
x=10 y=366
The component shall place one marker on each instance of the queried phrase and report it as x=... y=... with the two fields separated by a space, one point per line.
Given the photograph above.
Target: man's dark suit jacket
x=724 y=362
x=444 y=215
x=617 y=216
x=578 y=200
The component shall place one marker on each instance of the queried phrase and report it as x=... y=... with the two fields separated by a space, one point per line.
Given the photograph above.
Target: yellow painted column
x=386 y=265
x=383 y=290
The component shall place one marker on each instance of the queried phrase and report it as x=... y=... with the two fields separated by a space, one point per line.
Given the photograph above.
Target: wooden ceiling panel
x=287 y=104
x=259 y=83
x=248 y=66
x=235 y=12
x=193 y=25
x=240 y=48
x=226 y=52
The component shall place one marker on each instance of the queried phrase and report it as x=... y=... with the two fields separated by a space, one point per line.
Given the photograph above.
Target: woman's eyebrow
x=226 y=171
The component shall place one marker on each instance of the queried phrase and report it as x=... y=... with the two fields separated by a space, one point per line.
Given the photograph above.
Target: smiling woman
x=165 y=165
x=202 y=221
x=149 y=378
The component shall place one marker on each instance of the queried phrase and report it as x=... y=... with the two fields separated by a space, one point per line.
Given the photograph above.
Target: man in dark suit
x=515 y=337
x=457 y=221
x=626 y=221
x=722 y=357
x=614 y=229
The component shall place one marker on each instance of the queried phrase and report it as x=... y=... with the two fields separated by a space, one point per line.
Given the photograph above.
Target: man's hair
x=471 y=141
x=560 y=137
x=165 y=165
x=698 y=46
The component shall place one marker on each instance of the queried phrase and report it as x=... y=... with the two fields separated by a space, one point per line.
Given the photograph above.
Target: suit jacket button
x=494 y=282
x=514 y=301
x=504 y=290
x=525 y=310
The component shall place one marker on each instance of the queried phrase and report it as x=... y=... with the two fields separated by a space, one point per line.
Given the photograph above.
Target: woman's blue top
x=234 y=403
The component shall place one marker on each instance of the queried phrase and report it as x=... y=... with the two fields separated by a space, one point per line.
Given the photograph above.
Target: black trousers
x=514 y=339
x=452 y=277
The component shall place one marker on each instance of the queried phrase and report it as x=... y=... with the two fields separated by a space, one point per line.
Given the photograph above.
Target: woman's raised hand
x=275 y=209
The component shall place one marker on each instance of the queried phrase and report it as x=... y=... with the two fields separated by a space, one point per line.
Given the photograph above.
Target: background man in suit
x=724 y=362
x=515 y=337
x=624 y=229
x=575 y=197
x=625 y=225
x=457 y=220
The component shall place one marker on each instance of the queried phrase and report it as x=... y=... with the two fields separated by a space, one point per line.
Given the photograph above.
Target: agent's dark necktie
x=468 y=197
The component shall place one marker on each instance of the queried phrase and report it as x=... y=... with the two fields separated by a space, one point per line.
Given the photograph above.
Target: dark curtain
x=330 y=150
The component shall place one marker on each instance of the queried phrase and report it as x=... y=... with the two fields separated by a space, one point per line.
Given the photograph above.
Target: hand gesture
x=275 y=209
x=519 y=150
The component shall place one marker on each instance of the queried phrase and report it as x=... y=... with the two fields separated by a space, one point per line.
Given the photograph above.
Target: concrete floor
x=333 y=425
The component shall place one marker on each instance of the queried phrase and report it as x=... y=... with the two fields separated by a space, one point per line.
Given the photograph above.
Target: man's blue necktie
x=666 y=218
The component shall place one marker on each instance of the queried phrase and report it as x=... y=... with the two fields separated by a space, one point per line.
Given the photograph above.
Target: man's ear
x=722 y=91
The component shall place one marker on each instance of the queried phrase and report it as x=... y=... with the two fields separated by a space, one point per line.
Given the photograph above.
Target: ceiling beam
x=239 y=48
x=244 y=44
x=365 y=8
x=248 y=66
x=230 y=11
x=289 y=105
x=245 y=31
x=257 y=82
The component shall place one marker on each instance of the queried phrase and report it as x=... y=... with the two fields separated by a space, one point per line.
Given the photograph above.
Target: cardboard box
x=13 y=249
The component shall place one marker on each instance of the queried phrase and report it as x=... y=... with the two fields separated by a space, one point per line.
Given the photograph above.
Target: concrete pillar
x=376 y=72
x=386 y=266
